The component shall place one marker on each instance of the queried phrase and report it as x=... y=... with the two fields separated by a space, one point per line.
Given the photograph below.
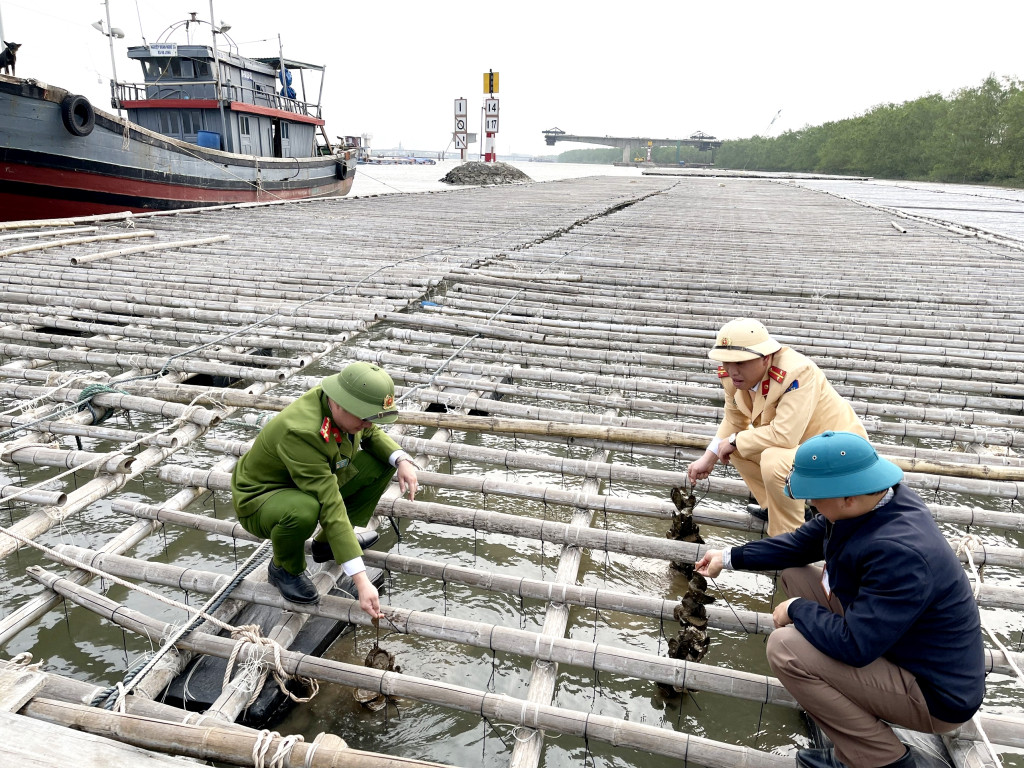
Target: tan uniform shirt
x=794 y=403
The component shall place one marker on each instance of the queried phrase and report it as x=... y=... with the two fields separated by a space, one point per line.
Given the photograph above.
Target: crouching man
x=324 y=460
x=888 y=631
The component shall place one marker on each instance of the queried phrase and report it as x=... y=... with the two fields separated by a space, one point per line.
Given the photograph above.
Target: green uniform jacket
x=301 y=448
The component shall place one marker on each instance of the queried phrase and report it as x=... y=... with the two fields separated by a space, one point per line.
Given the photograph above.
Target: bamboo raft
x=549 y=344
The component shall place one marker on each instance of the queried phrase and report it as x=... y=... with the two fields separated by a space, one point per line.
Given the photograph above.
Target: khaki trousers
x=766 y=476
x=852 y=705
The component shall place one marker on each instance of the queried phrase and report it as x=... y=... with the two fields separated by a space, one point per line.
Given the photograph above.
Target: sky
x=729 y=68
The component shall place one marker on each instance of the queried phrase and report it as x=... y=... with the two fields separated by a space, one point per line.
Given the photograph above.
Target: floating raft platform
x=549 y=345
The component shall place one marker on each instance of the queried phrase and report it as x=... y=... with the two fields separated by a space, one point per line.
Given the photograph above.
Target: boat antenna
x=142 y=33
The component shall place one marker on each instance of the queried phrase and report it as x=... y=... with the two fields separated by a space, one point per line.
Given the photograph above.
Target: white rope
x=250 y=633
x=967 y=545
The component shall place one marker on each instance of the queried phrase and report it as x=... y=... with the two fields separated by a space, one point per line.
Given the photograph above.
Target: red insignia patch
x=764 y=388
x=722 y=373
x=724 y=341
x=777 y=373
x=389 y=401
x=327 y=431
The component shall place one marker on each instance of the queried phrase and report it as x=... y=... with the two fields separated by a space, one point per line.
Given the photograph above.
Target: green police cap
x=833 y=465
x=365 y=391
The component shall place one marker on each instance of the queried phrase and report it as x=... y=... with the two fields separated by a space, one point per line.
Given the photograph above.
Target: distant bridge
x=631 y=144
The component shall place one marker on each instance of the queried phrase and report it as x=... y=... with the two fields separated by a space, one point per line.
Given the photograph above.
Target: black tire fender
x=77 y=115
x=341 y=170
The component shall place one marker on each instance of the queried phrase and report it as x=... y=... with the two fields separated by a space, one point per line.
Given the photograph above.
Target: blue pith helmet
x=834 y=465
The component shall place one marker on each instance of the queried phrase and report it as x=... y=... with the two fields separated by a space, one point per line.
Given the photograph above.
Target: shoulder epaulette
x=722 y=373
x=777 y=373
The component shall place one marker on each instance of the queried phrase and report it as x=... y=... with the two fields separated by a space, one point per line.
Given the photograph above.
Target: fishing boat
x=204 y=127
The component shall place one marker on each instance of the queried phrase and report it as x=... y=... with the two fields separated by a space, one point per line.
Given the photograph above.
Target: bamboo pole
x=122 y=346
x=689 y=674
x=162 y=246
x=116 y=463
x=196 y=415
x=90 y=431
x=990 y=596
x=543 y=676
x=145 y=362
x=76 y=241
x=492 y=706
x=207 y=742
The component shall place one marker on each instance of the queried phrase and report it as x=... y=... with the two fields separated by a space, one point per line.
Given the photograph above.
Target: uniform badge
x=389 y=401
x=764 y=387
x=777 y=373
x=327 y=431
x=722 y=373
x=724 y=341
x=343 y=462
x=791 y=387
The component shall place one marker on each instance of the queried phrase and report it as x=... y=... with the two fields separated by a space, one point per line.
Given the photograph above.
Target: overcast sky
x=654 y=68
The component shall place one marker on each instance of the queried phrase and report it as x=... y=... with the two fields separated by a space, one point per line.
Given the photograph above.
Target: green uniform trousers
x=288 y=517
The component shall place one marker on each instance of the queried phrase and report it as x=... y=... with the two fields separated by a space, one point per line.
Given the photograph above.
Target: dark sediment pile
x=485 y=173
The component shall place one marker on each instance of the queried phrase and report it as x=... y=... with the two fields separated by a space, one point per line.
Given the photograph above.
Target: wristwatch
x=731 y=439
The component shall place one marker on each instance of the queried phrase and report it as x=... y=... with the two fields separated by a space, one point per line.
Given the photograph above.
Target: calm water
x=74 y=642
x=386 y=179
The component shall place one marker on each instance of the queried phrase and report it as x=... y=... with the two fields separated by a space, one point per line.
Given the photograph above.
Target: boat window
x=191 y=121
x=243 y=125
x=284 y=130
x=170 y=123
x=186 y=68
x=202 y=70
x=154 y=68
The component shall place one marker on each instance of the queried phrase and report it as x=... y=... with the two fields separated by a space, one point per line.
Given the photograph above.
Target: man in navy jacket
x=888 y=631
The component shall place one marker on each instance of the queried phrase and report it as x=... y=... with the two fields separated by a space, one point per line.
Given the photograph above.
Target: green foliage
x=596 y=156
x=975 y=135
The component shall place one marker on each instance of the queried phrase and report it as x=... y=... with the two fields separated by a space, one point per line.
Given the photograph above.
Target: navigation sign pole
x=490 y=114
x=460 y=137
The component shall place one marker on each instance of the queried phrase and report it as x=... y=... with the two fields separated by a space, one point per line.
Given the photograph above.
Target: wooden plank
x=29 y=743
x=17 y=686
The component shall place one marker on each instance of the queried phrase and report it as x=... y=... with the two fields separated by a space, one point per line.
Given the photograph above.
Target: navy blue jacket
x=904 y=593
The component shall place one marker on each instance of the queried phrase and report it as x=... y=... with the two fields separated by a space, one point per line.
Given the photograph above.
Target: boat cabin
x=258 y=111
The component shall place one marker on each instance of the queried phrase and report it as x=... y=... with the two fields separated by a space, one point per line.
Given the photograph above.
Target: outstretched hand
x=408 y=482
x=710 y=565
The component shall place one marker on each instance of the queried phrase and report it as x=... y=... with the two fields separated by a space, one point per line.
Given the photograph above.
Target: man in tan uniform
x=775 y=399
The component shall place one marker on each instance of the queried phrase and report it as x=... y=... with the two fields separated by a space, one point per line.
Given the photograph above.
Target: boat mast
x=220 y=92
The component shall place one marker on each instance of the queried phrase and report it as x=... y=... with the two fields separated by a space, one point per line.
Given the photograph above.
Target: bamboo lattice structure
x=550 y=358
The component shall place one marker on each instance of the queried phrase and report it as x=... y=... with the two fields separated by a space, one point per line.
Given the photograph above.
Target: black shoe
x=322 y=549
x=297 y=589
x=756 y=510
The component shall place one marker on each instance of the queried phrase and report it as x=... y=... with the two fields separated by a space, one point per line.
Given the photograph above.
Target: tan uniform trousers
x=766 y=478
x=852 y=705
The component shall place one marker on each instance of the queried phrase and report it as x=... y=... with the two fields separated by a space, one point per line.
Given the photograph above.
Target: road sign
x=460 y=141
x=491 y=125
x=460 y=124
x=491 y=107
x=460 y=107
x=490 y=82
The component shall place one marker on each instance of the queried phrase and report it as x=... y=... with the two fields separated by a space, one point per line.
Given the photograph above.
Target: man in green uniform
x=323 y=460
